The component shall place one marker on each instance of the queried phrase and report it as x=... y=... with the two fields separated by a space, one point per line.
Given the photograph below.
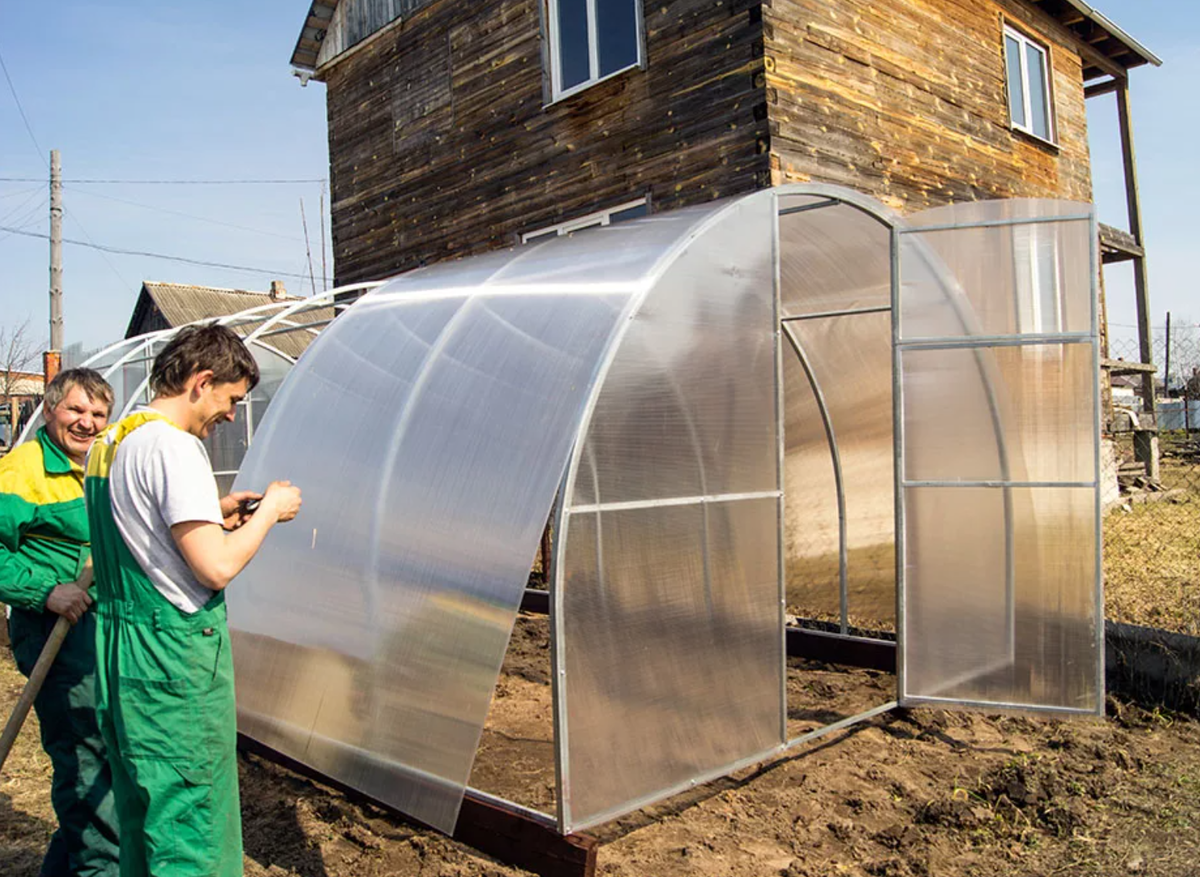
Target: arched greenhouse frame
x=790 y=403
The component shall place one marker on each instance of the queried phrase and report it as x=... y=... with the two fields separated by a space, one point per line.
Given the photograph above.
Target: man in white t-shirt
x=165 y=546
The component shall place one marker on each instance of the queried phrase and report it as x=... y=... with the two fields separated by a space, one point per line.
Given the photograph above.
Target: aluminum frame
x=981 y=342
x=272 y=320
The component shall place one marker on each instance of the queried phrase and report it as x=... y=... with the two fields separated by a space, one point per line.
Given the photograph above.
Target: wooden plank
x=497 y=831
x=1124 y=367
x=1141 y=280
x=854 y=651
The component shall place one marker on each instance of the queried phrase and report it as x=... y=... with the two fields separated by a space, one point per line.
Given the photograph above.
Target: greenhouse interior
x=794 y=409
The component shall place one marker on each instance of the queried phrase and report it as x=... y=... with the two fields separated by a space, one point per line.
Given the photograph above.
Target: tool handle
x=36 y=678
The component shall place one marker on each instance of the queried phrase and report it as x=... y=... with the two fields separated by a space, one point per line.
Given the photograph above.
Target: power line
x=167 y=182
x=16 y=192
x=125 y=283
x=24 y=119
x=273 y=234
x=122 y=252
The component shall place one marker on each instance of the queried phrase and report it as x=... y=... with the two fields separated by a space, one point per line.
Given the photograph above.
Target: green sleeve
x=23 y=583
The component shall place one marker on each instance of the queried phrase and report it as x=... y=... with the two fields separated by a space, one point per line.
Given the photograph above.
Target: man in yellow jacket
x=44 y=542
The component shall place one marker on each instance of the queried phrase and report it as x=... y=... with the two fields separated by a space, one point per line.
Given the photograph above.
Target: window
x=628 y=210
x=1028 y=75
x=591 y=40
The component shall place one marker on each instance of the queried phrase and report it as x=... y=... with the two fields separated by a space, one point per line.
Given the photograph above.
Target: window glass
x=1036 y=61
x=1016 y=89
x=592 y=39
x=616 y=22
x=573 y=46
x=634 y=212
x=617 y=213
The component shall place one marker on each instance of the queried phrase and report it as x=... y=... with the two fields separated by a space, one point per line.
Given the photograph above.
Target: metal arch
x=312 y=303
x=563 y=513
x=835 y=196
x=838 y=482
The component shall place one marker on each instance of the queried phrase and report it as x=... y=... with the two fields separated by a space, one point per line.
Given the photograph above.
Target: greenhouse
x=789 y=404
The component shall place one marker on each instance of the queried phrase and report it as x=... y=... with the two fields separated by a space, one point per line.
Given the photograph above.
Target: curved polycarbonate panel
x=832 y=258
x=850 y=357
x=429 y=429
x=811 y=535
x=429 y=438
x=668 y=614
x=1020 y=273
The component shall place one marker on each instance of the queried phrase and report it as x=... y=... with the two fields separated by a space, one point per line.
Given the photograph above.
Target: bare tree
x=18 y=355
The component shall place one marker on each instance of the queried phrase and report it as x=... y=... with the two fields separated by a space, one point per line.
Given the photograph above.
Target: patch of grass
x=1152 y=556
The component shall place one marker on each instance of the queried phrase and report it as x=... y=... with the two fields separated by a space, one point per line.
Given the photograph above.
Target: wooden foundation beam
x=504 y=834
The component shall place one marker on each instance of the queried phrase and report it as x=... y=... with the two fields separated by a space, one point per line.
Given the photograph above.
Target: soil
x=921 y=792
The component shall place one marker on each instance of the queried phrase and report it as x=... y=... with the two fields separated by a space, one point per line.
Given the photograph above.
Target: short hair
x=208 y=347
x=91 y=382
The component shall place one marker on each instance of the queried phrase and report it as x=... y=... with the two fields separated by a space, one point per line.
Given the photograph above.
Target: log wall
x=905 y=99
x=442 y=143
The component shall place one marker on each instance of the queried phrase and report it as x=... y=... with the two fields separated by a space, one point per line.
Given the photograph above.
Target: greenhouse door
x=996 y=361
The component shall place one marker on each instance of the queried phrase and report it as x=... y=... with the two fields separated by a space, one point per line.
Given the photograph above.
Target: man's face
x=216 y=403
x=75 y=421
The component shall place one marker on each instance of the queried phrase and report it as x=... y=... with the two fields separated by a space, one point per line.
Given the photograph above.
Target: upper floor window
x=1028 y=74
x=591 y=40
x=628 y=210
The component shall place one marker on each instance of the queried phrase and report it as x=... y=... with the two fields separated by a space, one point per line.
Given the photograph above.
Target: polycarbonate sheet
x=811 y=536
x=852 y=362
x=668 y=630
x=1018 y=413
x=688 y=403
x=429 y=435
x=1034 y=643
x=676 y=673
x=1028 y=278
x=831 y=259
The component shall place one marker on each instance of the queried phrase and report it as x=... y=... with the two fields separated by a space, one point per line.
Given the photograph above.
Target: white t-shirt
x=161 y=476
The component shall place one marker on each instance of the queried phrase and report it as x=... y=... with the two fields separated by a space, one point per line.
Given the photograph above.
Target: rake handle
x=33 y=685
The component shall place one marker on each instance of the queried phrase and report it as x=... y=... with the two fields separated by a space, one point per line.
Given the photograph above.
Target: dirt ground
x=920 y=792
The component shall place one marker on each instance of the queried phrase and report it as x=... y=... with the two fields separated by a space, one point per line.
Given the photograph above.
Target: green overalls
x=165 y=695
x=44 y=542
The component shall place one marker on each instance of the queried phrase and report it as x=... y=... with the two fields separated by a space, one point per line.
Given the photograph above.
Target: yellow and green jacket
x=43 y=522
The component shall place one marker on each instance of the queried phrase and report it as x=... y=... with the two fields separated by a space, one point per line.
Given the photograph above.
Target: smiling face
x=74 y=422
x=215 y=403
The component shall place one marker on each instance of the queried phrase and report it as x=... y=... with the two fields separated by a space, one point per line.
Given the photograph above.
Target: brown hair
x=209 y=347
x=91 y=382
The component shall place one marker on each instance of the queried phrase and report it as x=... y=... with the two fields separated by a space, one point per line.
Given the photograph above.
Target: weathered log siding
x=441 y=144
x=905 y=99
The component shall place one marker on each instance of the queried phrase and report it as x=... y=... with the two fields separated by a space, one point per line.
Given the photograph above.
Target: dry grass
x=1152 y=556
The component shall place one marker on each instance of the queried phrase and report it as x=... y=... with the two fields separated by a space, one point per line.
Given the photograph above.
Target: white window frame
x=1024 y=41
x=599 y=218
x=594 y=77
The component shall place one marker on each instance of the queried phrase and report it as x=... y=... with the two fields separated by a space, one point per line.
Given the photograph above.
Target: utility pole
x=1167 y=376
x=307 y=248
x=324 y=272
x=56 y=288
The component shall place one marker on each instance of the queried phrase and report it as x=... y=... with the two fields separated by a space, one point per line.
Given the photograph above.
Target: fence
x=1152 y=526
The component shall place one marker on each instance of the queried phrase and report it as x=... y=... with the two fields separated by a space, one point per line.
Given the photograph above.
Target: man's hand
x=281 y=500
x=233 y=508
x=69 y=601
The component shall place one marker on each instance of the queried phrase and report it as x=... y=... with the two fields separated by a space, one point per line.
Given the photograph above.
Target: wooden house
x=460 y=127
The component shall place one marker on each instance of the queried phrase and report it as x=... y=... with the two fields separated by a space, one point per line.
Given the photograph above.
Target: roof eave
x=308 y=44
x=1109 y=49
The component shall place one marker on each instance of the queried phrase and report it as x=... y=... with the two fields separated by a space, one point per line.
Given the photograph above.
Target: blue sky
x=151 y=90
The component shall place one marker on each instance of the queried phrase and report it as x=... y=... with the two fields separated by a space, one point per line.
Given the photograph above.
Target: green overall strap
x=164 y=681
